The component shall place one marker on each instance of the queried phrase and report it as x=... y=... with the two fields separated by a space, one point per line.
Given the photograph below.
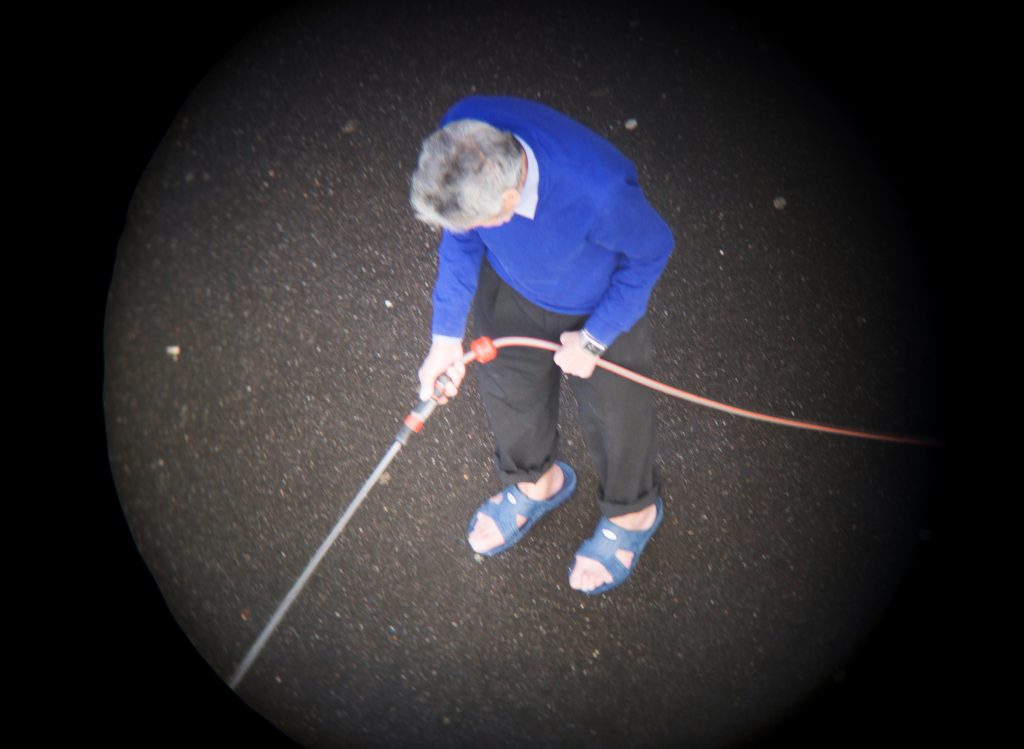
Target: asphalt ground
x=268 y=308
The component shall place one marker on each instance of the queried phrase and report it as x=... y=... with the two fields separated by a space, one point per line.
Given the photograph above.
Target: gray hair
x=463 y=170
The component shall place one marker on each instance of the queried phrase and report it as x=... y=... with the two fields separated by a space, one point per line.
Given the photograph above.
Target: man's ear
x=510 y=199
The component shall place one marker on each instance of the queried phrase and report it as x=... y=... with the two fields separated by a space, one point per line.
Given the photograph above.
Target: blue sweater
x=594 y=246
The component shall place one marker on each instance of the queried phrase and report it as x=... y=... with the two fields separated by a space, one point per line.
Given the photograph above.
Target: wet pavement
x=269 y=306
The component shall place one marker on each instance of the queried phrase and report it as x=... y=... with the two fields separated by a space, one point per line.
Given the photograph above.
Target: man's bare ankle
x=545 y=487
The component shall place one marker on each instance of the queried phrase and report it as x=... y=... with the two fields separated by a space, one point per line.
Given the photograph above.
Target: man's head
x=469 y=176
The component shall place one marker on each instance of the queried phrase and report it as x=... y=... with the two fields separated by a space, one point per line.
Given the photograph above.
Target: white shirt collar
x=528 y=195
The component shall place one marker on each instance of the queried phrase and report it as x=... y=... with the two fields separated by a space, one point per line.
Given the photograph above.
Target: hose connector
x=484 y=349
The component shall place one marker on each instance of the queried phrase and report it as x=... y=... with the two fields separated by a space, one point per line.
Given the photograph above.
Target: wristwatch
x=591 y=344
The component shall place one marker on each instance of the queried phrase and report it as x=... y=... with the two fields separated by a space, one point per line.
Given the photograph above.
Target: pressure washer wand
x=413 y=423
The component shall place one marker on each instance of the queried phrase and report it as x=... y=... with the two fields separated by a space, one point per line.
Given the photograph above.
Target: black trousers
x=520 y=391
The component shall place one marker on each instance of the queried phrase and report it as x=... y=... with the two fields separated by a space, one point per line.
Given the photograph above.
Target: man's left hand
x=573 y=358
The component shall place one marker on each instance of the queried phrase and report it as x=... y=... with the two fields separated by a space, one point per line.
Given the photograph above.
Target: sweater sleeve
x=458 y=267
x=631 y=228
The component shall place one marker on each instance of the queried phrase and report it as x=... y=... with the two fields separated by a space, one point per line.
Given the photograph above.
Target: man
x=546 y=233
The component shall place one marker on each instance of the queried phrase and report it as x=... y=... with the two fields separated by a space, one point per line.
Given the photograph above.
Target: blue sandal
x=513 y=503
x=609 y=538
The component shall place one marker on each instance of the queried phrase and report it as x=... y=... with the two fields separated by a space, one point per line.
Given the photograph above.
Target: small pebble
x=631 y=124
x=388 y=304
x=779 y=203
x=174 y=352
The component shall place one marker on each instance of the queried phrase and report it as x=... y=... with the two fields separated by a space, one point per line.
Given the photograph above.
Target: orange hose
x=498 y=343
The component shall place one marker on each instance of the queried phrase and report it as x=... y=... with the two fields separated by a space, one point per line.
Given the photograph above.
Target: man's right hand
x=445 y=357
